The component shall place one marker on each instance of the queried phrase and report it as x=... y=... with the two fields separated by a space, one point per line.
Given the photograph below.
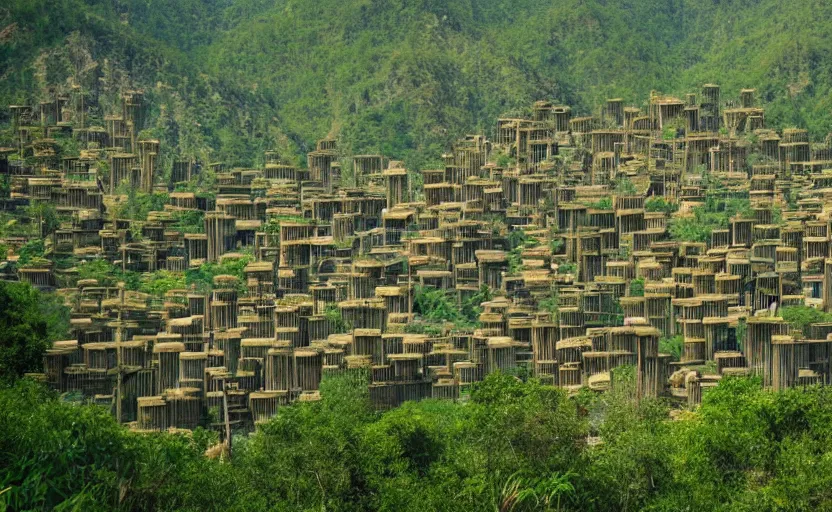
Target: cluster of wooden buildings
x=595 y=284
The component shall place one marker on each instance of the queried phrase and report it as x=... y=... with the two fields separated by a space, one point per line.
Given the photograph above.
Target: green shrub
x=673 y=345
x=802 y=317
x=637 y=287
x=660 y=204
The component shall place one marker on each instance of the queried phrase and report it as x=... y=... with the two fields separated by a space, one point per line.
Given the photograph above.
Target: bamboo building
x=332 y=290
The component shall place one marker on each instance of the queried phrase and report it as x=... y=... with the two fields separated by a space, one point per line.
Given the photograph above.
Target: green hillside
x=405 y=77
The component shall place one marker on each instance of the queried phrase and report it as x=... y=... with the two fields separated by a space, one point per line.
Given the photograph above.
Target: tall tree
x=27 y=321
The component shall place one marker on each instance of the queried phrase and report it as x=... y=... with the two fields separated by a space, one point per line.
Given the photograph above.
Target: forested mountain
x=227 y=79
x=405 y=77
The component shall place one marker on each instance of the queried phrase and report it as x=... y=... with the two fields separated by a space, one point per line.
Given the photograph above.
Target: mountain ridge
x=406 y=77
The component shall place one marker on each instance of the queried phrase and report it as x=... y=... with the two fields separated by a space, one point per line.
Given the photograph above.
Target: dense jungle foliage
x=29 y=322
x=514 y=446
x=230 y=78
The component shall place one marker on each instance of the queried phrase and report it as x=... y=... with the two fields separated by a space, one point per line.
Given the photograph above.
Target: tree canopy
x=514 y=446
x=29 y=322
x=403 y=78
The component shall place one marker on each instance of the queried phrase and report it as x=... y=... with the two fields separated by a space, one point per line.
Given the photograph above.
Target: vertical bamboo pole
x=119 y=392
x=225 y=409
